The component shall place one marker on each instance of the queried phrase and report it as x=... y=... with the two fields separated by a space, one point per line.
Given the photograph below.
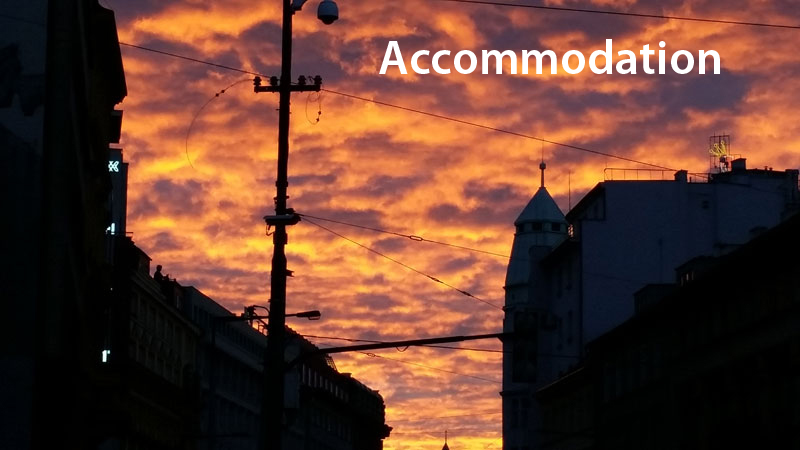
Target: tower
x=540 y=227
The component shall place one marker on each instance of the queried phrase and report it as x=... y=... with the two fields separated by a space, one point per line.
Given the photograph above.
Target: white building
x=572 y=278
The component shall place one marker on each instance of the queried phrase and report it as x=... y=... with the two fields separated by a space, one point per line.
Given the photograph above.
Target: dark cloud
x=166 y=241
x=179 y=198
x=449 y=213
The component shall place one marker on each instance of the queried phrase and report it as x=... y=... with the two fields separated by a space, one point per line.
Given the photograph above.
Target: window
x=536 y=226
x=555 y=226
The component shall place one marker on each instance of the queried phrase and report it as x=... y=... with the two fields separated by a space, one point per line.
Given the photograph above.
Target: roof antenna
x=542 y=165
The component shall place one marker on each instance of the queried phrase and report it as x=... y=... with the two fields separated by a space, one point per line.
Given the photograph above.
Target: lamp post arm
x=393 y=344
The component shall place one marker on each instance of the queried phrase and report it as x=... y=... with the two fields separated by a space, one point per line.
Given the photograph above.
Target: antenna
x=542 y=165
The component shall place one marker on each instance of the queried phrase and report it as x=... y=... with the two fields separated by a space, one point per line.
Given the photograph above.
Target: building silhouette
x=96 y=353
x=325 y=409
x=710 y=362
x=182 y=371
x=61 y=76
x=151 y=387
x=572 y=278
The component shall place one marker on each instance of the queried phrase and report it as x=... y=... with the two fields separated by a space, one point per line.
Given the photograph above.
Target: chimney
x=739 y=164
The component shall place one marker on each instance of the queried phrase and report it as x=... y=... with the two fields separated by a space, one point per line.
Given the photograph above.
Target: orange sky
x=198 y=212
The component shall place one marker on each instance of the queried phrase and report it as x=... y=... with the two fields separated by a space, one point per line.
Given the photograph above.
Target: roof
x=541 y=208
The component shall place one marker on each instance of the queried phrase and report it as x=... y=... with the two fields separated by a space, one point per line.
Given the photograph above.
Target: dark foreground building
x=60 y=77
x=712 y=362
x=325 y=409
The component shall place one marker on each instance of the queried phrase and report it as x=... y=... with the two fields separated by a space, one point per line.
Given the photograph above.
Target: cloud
x=395 y=169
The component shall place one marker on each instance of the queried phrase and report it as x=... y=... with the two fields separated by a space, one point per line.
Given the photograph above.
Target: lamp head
x=310 y=315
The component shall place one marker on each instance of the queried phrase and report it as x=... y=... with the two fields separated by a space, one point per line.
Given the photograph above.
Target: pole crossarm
x=395 y=344
x=301 y=86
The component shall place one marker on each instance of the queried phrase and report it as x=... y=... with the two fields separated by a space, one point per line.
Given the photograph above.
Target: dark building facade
x=572 y=278
x=324 y=409
x=711 y=363
x=151 y=386
x=60 y=78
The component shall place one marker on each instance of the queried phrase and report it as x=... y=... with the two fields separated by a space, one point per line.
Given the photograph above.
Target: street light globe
x=328 y=12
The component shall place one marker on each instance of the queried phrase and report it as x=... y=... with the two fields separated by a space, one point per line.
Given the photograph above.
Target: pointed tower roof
x=540 y=224
x=542 y=207
x=445 y=441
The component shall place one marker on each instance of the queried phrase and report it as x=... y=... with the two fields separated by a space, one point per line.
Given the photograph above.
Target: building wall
x=151 y=393
x=231 y=375
x=324 y=409
x=61 y=76
x=713 y=365
x=623 y=236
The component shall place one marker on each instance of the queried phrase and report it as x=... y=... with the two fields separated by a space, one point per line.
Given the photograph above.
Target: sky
x=202 y=167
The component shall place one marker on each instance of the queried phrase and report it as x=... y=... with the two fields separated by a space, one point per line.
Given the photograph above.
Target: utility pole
x=273 y=390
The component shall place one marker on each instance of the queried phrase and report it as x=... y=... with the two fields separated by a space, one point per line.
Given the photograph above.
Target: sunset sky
x=197 y=209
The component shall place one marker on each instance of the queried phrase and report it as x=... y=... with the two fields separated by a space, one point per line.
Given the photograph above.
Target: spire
x=445 y=441
x=542 y=166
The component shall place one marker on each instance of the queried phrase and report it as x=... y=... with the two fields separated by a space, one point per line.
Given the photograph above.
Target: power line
x=471 y=349
x=629 y=14
x=415 y=419
x=431 y=277
x=197 y=114
x=412 y=237
x=546 y=355
x=373 y=355
x=421 y=239
x=416 y=111
x=187 y=58
x=499 y=130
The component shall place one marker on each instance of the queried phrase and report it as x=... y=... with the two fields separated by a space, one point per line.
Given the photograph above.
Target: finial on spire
x=445 y=441
x=542 y=166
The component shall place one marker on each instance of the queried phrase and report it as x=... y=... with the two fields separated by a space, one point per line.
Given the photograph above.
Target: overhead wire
x=421 y=239
x=450 y=347
x=197 y=114
x=415 y=419
x=412 y=237
x=499 y=130
x=416 y=111
x=411 y=363
x=623 y=13
x=189 y=58
x=383 y=255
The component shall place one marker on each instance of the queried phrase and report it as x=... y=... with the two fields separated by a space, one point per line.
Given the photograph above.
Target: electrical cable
x=197 y=114
x=431 y=277
x=412 y=237
x=413 y=110
x=421 y=239
x=188 y=58
x=415 y=419
x=621 y=13
x=373 y=355
x=499 y=130
x=472 y=349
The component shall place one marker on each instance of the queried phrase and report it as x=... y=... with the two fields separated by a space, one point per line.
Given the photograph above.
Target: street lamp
x=248 y=315
x=273 y=402
x=310 y=315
